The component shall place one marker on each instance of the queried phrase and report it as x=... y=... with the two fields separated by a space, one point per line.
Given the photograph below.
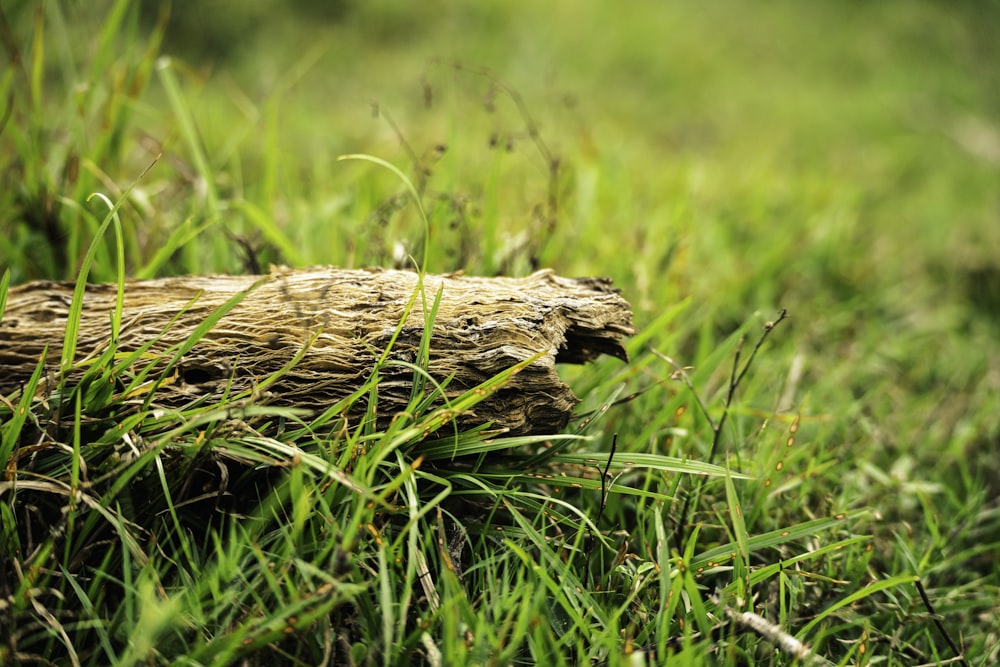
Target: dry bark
x=483 y=327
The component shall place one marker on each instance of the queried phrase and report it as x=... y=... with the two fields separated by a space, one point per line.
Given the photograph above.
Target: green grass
x=722 y=162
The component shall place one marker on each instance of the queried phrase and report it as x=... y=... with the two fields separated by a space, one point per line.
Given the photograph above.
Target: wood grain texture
x=483 y=326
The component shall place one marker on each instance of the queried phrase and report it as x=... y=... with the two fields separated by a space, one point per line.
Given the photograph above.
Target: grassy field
x=725 y=163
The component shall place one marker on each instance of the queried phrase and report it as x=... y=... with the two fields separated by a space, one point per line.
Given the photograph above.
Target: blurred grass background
x=838 y=159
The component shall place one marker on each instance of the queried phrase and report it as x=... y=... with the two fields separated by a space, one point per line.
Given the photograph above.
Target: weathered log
x=483 y=326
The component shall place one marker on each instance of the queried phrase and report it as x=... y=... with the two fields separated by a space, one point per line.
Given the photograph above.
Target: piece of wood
x=483 y=327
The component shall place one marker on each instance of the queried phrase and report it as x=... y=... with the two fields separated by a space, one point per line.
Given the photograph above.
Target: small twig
x=680 y=372
x=591 y=538
x=774 y=634
x=422 y=170
x=959 y=655
x=734 y=382
x=768 y=328
x=605 y=490
x=949 y=661
x=589 y=415
x=735 y=378
x=530 y=126
x=552 y=160
x=433 y=652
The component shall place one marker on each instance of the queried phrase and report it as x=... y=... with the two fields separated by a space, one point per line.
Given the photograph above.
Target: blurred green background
x=860 y=136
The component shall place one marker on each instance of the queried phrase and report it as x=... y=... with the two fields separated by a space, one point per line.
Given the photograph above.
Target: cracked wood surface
x=483 y=327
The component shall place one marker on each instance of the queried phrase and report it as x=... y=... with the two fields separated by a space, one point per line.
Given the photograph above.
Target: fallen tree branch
x=482 y=327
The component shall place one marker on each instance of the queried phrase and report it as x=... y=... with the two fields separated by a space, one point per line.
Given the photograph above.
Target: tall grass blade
x=182 y=112
x=867 y=591
x=422 y=267
x=4 y=286
x=12 y=429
